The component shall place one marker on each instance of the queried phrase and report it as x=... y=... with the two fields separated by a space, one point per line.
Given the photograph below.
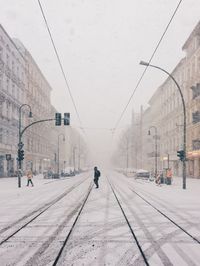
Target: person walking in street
x=29 y=178
x=96 y=176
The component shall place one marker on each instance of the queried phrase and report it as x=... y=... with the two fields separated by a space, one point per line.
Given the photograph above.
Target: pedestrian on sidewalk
x=169 y=176
x=29 y=178
x=96 y=176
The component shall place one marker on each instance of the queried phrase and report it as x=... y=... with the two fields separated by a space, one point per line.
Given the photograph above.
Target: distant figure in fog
x=96 y=176
x=169 y=176
x=29 y=178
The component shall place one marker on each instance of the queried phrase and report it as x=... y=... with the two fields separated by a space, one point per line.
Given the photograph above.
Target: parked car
x=130 y=172
x=48 y=174
x=143 y=174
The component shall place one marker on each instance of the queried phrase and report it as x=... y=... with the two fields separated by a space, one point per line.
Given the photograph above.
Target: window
x=1 y=82
x=1 y=108
x=13 y=66
x=7 y=85
x=6 y=136
x=1 y=135
x=1 y=52
x=7 y=110
x=7 y=60
x=13 y=90
x=198 y=64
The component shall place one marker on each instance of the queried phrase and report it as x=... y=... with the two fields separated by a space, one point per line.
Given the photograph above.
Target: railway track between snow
x=35 y=213
x=129 y=225
x=72 y=228
x=156 y=244
x=166 y=216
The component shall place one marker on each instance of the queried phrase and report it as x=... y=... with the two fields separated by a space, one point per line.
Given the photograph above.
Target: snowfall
x=101 y=235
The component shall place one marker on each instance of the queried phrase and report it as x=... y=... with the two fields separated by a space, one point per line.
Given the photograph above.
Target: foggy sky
x=100 y=43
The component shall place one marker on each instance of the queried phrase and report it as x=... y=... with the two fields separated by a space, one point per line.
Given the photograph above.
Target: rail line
x=129 y=225
x=72 y=228
x=41 y=210
x=166 y=216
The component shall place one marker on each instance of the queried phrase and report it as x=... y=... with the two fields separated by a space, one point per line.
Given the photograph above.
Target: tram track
x=72 y=228
x=156 y=244
x=166 y=216
x=165 y=205
x=129 y=225
x=39 y=211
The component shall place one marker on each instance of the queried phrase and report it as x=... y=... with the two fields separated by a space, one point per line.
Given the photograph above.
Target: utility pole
x=59 y=152
x=156 y=148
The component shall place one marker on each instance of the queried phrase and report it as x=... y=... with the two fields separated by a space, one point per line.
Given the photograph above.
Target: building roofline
x=195 y=31
x=33 y=60
x=12 y=41
x=40 y=71
x=180 y=63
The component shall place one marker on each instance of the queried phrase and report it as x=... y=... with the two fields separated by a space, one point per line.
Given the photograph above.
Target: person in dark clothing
x=96 y=176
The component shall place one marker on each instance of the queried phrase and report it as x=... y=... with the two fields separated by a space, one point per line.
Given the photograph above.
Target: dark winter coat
x=97 y=174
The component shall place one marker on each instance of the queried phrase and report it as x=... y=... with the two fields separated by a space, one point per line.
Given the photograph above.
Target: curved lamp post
x=59 y=151
x=184 y=117
x=20 y=144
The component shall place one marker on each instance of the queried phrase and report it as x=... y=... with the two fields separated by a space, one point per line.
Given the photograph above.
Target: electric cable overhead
x=60 y=64
x=143 y=73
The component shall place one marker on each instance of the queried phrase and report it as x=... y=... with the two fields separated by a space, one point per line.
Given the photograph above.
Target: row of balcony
x=195 y=91
x=11 y=75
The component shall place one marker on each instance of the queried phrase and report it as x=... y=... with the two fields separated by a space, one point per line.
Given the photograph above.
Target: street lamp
x=59 y=151
x=156 y=148
x=184 y=117
x=20 y=144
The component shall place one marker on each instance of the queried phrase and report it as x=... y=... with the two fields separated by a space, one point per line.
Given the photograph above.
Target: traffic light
x=20 y=155
x=58 y=119
x=181 y=155
x=66 y=119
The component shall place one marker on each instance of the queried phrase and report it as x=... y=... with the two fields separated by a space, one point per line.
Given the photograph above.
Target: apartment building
x=12 y=95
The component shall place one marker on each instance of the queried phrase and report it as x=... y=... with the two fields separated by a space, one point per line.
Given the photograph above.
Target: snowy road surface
x=165 y=222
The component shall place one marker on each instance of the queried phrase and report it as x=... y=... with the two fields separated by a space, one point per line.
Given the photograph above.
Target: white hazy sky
x=100 y=43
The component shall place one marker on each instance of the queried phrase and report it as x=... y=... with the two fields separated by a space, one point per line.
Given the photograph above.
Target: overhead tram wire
x=143 y=73
x=60 y=64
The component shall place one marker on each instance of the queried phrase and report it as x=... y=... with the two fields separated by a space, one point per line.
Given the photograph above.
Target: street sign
x=8 y=157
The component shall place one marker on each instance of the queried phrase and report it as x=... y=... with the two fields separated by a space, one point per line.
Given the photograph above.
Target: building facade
x=41 y=140
x=12 y=95
x=166 y=112
x=192 y=73
x=22 y=82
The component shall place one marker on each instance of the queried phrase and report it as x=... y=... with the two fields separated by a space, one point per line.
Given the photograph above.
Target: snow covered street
x=141 y=224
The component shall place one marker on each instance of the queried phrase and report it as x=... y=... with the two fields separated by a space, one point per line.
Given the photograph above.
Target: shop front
x=194 y=163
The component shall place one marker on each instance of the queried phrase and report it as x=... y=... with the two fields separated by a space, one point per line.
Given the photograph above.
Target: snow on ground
x=101 y=236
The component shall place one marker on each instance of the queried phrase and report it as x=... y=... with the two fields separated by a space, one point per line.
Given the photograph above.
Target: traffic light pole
x=20 y=145
x=184 y=117
x=66 y=120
